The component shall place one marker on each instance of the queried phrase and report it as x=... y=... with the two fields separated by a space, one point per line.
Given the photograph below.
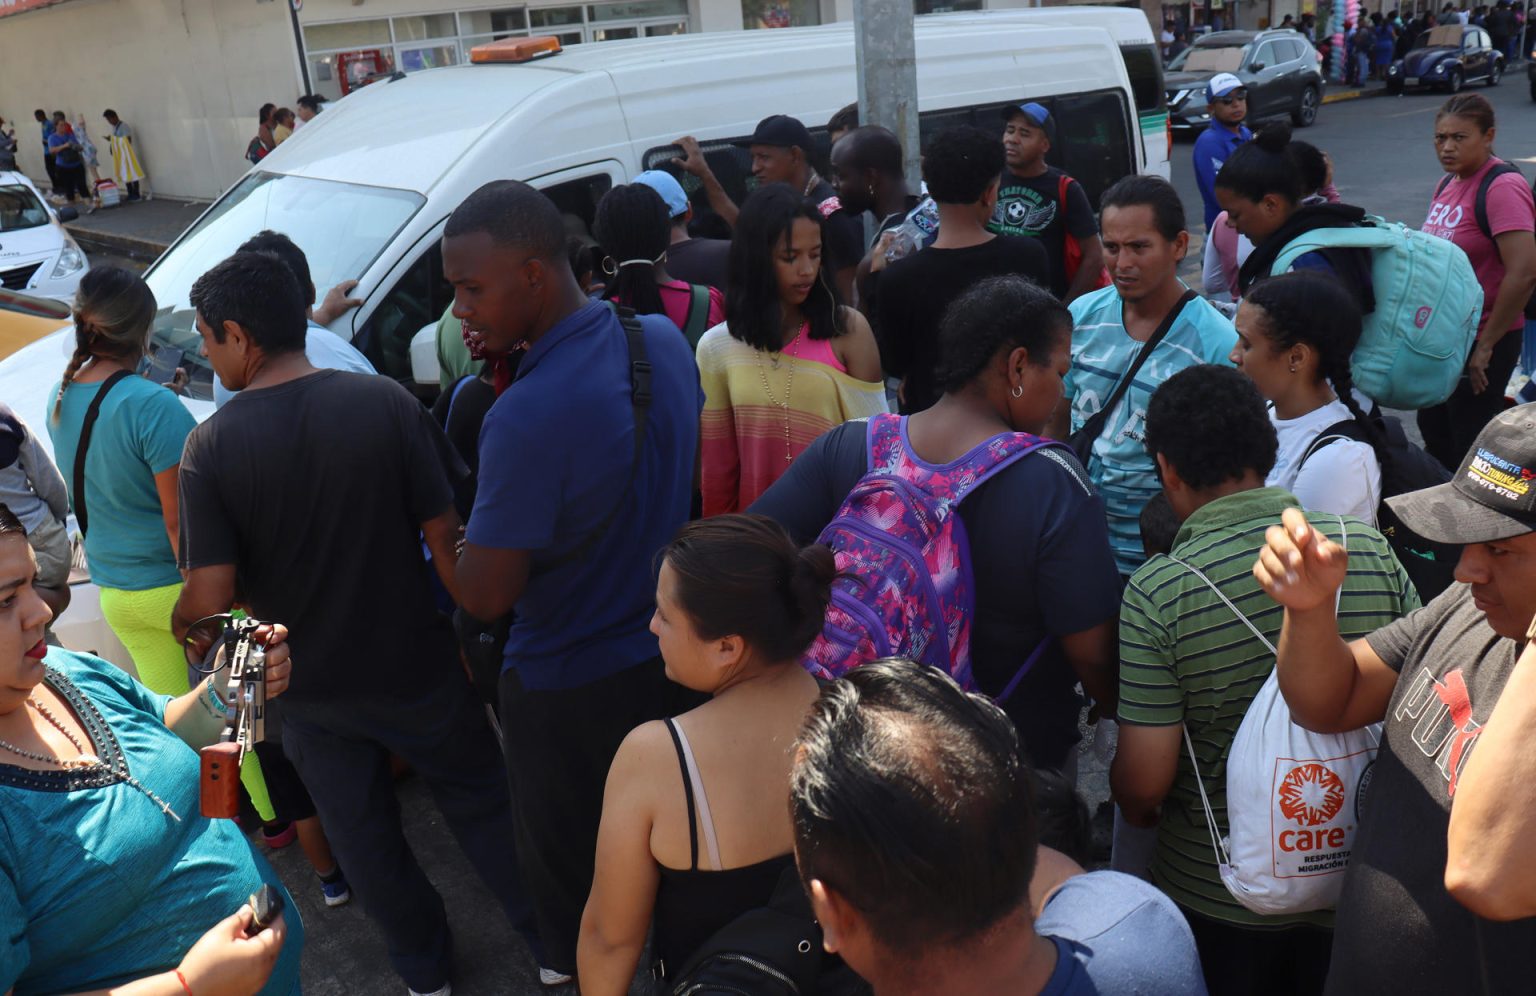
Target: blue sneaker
x=335 y=891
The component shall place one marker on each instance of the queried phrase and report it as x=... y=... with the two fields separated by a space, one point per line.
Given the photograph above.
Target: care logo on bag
x=1311 y=837
x=1311 y=795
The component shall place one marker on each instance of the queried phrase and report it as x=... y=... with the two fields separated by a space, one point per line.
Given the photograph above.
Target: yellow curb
x=1334 y=98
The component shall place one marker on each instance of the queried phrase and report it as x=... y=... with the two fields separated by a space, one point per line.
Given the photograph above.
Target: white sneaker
x=550 y=977
x=447 y=990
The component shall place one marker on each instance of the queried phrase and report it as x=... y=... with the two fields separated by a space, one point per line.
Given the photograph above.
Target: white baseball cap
x=1222 y=84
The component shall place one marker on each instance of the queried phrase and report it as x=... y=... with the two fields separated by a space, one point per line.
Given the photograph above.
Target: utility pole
x=886 y=63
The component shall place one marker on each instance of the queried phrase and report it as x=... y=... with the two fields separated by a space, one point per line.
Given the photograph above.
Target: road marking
x=1417 y=110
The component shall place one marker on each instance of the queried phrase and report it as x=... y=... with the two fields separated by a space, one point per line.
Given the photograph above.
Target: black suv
x=1279 y=68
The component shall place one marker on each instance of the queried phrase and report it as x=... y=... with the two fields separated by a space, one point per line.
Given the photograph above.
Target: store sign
x=9 y=7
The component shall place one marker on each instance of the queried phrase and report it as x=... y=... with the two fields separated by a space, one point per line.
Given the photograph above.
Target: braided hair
x=634 y=228
x=1314 y=307
x=113 y=313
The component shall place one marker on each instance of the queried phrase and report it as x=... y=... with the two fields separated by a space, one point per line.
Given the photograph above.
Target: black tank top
x=692 y=905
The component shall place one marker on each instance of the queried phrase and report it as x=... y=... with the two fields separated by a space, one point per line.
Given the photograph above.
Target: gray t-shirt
x=1398 y=930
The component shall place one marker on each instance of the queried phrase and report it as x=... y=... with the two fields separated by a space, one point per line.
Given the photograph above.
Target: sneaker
x=279 y=835
x=336 y=892
x=550 y=977
x=447 y=990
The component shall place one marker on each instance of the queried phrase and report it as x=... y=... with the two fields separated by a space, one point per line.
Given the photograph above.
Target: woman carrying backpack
x=128 y=509
x=789 y=363
x=1044 y=577
x=1295 y=334
x=694 y=831
x=1263 y=192
x=634 y=228
x=1484 y=206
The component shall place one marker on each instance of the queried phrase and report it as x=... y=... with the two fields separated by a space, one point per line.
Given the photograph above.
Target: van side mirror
x=67 y=213
x=1256 y=67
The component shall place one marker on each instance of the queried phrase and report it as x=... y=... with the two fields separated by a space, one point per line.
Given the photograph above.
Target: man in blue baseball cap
x=1042 y=202
x=696 y=261
x=1227 y=99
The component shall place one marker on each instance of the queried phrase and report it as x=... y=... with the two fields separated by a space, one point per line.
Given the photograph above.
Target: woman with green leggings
x=130 y=500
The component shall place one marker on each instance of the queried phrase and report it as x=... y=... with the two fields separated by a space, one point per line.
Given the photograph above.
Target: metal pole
x=298 y=40
x=886 y=62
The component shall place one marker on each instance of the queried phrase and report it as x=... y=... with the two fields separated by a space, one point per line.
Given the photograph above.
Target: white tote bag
x=1293 y=801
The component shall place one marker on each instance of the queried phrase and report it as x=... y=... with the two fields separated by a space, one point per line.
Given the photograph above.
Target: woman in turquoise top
x=131 y=469
x=109 y=877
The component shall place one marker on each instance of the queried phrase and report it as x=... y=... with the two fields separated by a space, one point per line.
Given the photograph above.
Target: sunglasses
x=1234 y=98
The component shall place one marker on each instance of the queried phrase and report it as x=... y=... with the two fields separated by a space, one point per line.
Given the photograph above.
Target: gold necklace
x=87 y=761
x=789 y=386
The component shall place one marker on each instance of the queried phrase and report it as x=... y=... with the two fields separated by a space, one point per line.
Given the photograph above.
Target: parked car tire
x=1305 y=113
x=1533 y=89
x=1495 y=73
x=1453 y=80
x=1395 y=88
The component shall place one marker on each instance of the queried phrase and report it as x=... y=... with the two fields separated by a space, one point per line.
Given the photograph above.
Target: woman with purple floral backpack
x=1038 y=549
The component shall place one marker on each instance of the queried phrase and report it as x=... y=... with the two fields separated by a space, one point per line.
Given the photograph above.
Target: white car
x=36 y=254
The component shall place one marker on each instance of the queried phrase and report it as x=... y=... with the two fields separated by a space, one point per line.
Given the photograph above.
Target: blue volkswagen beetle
x=1445 y=57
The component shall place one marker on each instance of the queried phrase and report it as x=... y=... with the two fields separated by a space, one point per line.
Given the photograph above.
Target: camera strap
x=86 y=428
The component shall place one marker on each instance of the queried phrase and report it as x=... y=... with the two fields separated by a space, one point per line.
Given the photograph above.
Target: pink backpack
x=904 y=585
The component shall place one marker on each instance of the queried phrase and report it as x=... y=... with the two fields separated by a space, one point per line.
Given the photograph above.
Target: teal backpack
x=1415 y=345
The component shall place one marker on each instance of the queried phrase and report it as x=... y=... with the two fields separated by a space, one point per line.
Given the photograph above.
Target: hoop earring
x=1018 y=391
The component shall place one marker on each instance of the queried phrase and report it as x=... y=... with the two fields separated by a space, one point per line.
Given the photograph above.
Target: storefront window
x=944 y=6
x=496 y=23
x=352 y=34
x=424 y=27
x=780 y=13
x=550 y=17
x=642 y=10
x=429 y=57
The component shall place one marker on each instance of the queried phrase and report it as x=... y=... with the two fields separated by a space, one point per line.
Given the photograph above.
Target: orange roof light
x=515 y=50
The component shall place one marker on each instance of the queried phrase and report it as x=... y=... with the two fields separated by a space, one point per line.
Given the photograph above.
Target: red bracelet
x=183 y=980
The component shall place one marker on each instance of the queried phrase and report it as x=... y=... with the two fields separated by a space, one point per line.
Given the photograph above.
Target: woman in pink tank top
x=789 y=363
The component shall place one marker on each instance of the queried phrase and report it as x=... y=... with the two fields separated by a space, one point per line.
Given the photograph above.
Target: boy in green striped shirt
x=1187 y=660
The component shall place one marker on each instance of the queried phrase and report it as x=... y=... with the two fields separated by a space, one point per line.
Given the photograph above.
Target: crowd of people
x=74 y=164
x=700 y=527
x=274 y=124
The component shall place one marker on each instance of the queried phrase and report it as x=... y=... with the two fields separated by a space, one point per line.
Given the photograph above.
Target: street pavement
x=1383 y=161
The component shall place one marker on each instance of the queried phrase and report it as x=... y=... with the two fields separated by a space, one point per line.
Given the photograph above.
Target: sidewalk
x=142 y=229
x=1340 y=91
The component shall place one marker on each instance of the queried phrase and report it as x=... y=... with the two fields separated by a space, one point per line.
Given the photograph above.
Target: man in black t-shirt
x=1433 y=677
x=306 y=498
x=961 y=169
x=1030 y=202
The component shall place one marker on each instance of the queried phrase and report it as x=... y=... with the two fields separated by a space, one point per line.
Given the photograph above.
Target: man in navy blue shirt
x=1228 y=101
x=565 y=530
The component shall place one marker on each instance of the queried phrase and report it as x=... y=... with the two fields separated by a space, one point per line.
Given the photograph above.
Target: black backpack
x=774 y=950
x=1480 y=210
x=1407 y=467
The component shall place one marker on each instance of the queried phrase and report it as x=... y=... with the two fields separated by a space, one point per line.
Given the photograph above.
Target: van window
x=419 y=298
x=1145 y=69
x=1093 y=130
x=732 y=166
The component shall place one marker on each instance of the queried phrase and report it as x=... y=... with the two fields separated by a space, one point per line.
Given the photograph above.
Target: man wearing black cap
x=1042 y=202
x=781 y=153
x=1433 y=677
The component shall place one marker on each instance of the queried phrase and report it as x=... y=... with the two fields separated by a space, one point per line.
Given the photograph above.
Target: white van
x=365 y=188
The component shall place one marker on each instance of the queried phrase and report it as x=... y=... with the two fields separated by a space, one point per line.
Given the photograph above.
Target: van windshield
x=342 y=228
x=20 y=208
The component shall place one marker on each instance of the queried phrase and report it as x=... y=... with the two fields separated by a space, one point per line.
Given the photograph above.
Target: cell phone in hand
x=266 y=904
x=163 y=364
